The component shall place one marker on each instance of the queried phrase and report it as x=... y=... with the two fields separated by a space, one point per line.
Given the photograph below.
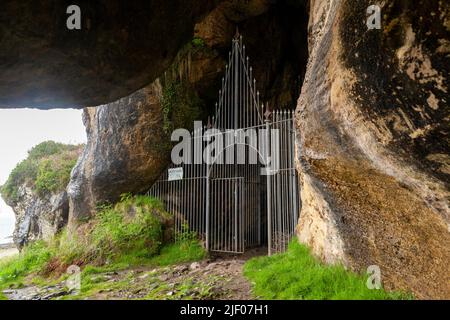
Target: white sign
x=175 y=174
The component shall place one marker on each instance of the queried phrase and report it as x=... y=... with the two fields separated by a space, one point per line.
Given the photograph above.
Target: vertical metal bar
x=248 y=90
x=242 y=211
x=238 y=88
x=283 y=178
x=229 y=216
x=207 y=205
x=225 y=212
x=269 y=200
x=216 y=225
x=289 y=175
x=235 y=183
x=295 y=178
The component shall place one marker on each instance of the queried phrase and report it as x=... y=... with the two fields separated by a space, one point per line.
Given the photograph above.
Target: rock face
x=122 y=47
x=372 y=118
x=36 y=191
x=39 y=217
x=121 y=153
x=372 y=126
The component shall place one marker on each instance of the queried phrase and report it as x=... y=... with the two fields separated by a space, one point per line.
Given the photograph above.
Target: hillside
x=36 y=190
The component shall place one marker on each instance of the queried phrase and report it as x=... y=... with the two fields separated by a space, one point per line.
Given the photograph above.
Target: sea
x=7 y=221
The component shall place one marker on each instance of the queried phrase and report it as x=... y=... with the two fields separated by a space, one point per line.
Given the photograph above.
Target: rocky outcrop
x=39 y=218
x=36 y=191
x=123 y=152
x=372 y=126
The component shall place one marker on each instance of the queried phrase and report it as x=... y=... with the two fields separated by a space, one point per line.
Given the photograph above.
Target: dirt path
x=219 y=277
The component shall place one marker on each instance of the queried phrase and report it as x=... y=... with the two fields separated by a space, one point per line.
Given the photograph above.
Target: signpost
x=175 y=174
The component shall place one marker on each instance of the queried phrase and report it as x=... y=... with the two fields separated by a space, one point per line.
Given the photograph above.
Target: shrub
x=180 y=106
x=133 y=228
x=54 y=174
x=46 y=169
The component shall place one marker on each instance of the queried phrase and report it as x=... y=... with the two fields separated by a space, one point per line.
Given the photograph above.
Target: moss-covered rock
x=36 y=190
x=372 y=123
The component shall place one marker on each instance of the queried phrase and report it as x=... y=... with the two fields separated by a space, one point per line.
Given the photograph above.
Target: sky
x=22 y=129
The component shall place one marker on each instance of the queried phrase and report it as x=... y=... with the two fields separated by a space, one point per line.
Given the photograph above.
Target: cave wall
x=372 y=152
x=371 y=120
x=122 y=47
x=128 y=140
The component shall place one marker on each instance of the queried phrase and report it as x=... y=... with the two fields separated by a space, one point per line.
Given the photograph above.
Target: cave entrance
x=236 y=186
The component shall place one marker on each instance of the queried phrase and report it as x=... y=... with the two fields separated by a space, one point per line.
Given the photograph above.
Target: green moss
x=181 y=106
x=46 y=169
x=297 y=275
x=198 y=42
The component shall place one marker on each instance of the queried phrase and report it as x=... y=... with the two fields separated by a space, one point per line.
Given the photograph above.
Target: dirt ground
x=218 y=277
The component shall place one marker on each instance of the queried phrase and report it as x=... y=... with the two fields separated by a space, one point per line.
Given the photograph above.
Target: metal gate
x=233 y=207
x=282 y=187
x=226 y=215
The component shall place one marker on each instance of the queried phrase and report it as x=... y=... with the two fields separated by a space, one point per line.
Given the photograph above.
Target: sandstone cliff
x=372 y=125
x=372 y=115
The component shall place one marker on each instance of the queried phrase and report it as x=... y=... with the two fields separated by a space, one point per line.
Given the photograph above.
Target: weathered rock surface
x=122 y=47
x=372 y=125
x=38 y=217
x=121 y=154
x=36 y=191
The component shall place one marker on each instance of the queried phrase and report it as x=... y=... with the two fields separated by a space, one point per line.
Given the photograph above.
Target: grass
x=188 y=289
x=170 y=254
x=32 y=259
x=180 y=252
x=131 y=233
x=297 y=275
x=46 y=169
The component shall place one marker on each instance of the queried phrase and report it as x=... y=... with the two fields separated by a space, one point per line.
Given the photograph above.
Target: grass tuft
x=297 y=275
x=134 y=232
x=31 y=259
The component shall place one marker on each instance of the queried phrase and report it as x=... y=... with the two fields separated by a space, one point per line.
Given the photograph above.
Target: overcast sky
x=22 y=129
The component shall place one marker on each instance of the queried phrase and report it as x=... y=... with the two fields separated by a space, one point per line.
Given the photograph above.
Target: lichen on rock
x=371 y=124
